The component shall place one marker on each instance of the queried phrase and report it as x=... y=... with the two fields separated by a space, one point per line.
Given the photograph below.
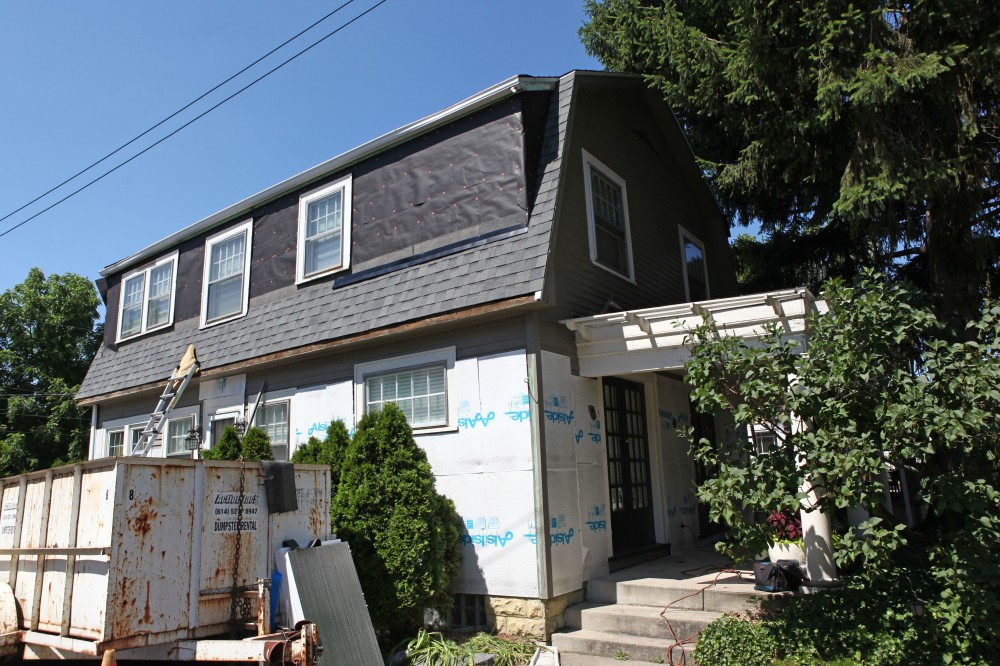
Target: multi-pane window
x=419 y=392
x=226 y=272
x=695 y=271
x=764 y=442
x=177 y=433
x=147 y=298
x=116 y=443
x=135 y=435
x=608 y=212
x=324 y=230
x=273 y=418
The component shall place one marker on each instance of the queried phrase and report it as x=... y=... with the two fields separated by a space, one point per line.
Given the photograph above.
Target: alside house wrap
x=442 y=266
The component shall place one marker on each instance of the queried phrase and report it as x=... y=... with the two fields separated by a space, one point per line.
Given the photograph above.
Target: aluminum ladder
x=183 y=373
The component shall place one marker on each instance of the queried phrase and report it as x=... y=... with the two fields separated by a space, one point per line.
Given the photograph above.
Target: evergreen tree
x=328 y=451
x=404 y=536
x=227 y=448
x=856 y=134
x=256 y=445
x=48 y=336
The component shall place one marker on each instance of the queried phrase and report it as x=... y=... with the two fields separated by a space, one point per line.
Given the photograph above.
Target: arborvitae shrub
x=404 y=536
x=328 y=451
x=257 y=445
x=227 y=448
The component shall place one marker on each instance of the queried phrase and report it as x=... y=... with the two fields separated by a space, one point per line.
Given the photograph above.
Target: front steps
x=621 y=613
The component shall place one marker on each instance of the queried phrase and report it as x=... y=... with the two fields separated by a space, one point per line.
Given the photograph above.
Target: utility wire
x=196 y=118
x=174 y=114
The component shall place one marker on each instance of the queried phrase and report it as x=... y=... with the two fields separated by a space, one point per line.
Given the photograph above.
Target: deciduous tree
x=48 y=336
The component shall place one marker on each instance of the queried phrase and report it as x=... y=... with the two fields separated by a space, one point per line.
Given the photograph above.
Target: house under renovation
x=515 y=272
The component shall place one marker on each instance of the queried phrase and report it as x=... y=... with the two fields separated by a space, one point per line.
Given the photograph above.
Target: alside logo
x=558 y=533
x=597 y=518
x=485 y=532
x=557 y=409
x=517 y=408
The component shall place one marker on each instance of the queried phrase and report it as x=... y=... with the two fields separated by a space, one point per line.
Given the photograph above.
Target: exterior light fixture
x=917 y=605
x=241 y=426
x=193 y=439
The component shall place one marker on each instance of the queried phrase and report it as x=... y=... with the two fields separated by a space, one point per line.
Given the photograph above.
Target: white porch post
x=817 y=535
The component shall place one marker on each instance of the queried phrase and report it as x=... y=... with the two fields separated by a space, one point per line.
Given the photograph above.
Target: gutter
x=491 y=95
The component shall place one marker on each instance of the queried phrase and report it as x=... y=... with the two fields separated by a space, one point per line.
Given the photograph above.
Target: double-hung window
x=273 y=418
x=116 y=443
x=324 y=240
x=178 y=430
x=226 y=279
x=695 y=270
x=419 y=384
x=147 y=298
x=607 y=213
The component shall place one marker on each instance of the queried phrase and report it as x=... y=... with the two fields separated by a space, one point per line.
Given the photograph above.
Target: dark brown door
x=704 y=428
x=628 y=465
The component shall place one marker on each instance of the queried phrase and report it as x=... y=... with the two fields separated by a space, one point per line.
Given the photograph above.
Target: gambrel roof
x=501 y=266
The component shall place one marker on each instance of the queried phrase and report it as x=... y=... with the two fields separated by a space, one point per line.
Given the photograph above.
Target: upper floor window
x=607 y=213
x=116 y=442
x=147 y=301
x=227 y=274
x=695 y=270
x=420 y=384
x=324 y=244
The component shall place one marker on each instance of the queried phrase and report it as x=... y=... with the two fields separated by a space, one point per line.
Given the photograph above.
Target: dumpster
x=123 y=553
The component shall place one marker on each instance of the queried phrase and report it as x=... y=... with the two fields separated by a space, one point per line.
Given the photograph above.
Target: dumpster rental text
x=226 y=508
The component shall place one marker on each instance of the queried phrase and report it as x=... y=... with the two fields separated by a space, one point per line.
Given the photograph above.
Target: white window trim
x=222 y=236
x=177 y=414
x=589 y=161
x=236 y=413
x=143 y=329
x=277 y=399
x=686 y=235
x=305 y=199
x=445 y=355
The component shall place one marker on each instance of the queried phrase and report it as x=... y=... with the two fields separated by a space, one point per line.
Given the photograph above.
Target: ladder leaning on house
x=186 y=369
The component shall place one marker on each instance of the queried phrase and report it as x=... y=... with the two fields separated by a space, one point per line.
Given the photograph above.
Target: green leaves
x=48 y=335
x=883 y=386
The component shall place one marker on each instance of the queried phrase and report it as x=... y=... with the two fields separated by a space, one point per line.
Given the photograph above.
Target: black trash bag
x=780 y=576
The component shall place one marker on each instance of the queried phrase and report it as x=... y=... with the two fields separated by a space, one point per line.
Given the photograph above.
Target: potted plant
x=786 y=537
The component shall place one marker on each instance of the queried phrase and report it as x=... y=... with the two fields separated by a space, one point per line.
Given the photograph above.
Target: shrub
x=404 y=536
x=328 y=451
x=736 y=641
x=257 y=445
x=227 y=448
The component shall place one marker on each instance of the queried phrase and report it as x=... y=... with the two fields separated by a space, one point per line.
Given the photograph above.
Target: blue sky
x=80 y=78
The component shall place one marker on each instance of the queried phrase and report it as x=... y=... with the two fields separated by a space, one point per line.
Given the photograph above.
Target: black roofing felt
x=491 y=261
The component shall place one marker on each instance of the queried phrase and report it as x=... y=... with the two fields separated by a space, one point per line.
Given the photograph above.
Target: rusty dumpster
x=123 y=553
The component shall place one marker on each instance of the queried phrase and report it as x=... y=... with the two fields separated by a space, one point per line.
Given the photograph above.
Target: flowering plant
x=785 y=526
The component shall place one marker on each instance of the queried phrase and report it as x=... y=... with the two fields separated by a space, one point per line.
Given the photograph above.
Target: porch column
x=817 y=535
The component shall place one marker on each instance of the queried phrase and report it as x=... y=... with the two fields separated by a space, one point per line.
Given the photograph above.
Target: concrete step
x=578 y=643
x=638 y=620
x=570 y=659
x=728 y=594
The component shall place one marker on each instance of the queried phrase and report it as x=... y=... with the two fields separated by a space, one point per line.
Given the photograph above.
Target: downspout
x=538 y=459
x=91 y=454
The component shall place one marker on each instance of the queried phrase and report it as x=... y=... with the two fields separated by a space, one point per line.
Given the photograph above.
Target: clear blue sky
x=80 y=78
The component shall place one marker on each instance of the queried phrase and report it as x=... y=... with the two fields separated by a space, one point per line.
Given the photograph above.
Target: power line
x=174 y=114
x=193 y=120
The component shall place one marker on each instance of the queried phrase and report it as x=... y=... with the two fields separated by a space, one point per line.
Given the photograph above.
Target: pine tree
x=856 y=134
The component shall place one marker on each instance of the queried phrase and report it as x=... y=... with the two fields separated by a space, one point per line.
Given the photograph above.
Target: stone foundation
x=533 y=618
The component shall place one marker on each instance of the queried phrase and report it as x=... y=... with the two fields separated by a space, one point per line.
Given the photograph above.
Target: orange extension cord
x=679 y=643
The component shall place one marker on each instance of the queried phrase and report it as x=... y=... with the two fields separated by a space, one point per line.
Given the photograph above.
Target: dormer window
x=226 y=281
x=324 y=244
x=607 y=213
x=147 y=301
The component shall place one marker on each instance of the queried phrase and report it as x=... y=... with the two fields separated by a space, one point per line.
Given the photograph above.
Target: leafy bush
x=404 y=536
x=736 y=641
x=227 y=448
x=257 y=445
x=328 y=451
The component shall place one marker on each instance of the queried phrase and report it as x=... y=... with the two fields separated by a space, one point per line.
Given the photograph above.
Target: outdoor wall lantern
x=241 y=426
x=193 y=439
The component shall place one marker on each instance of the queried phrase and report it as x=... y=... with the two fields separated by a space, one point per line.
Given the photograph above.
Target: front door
x=628 y=465
x=704 y=428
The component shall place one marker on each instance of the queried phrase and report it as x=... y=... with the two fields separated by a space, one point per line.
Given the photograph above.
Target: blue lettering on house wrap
x=519 y=416
x=473 y=421
x=486 y=540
